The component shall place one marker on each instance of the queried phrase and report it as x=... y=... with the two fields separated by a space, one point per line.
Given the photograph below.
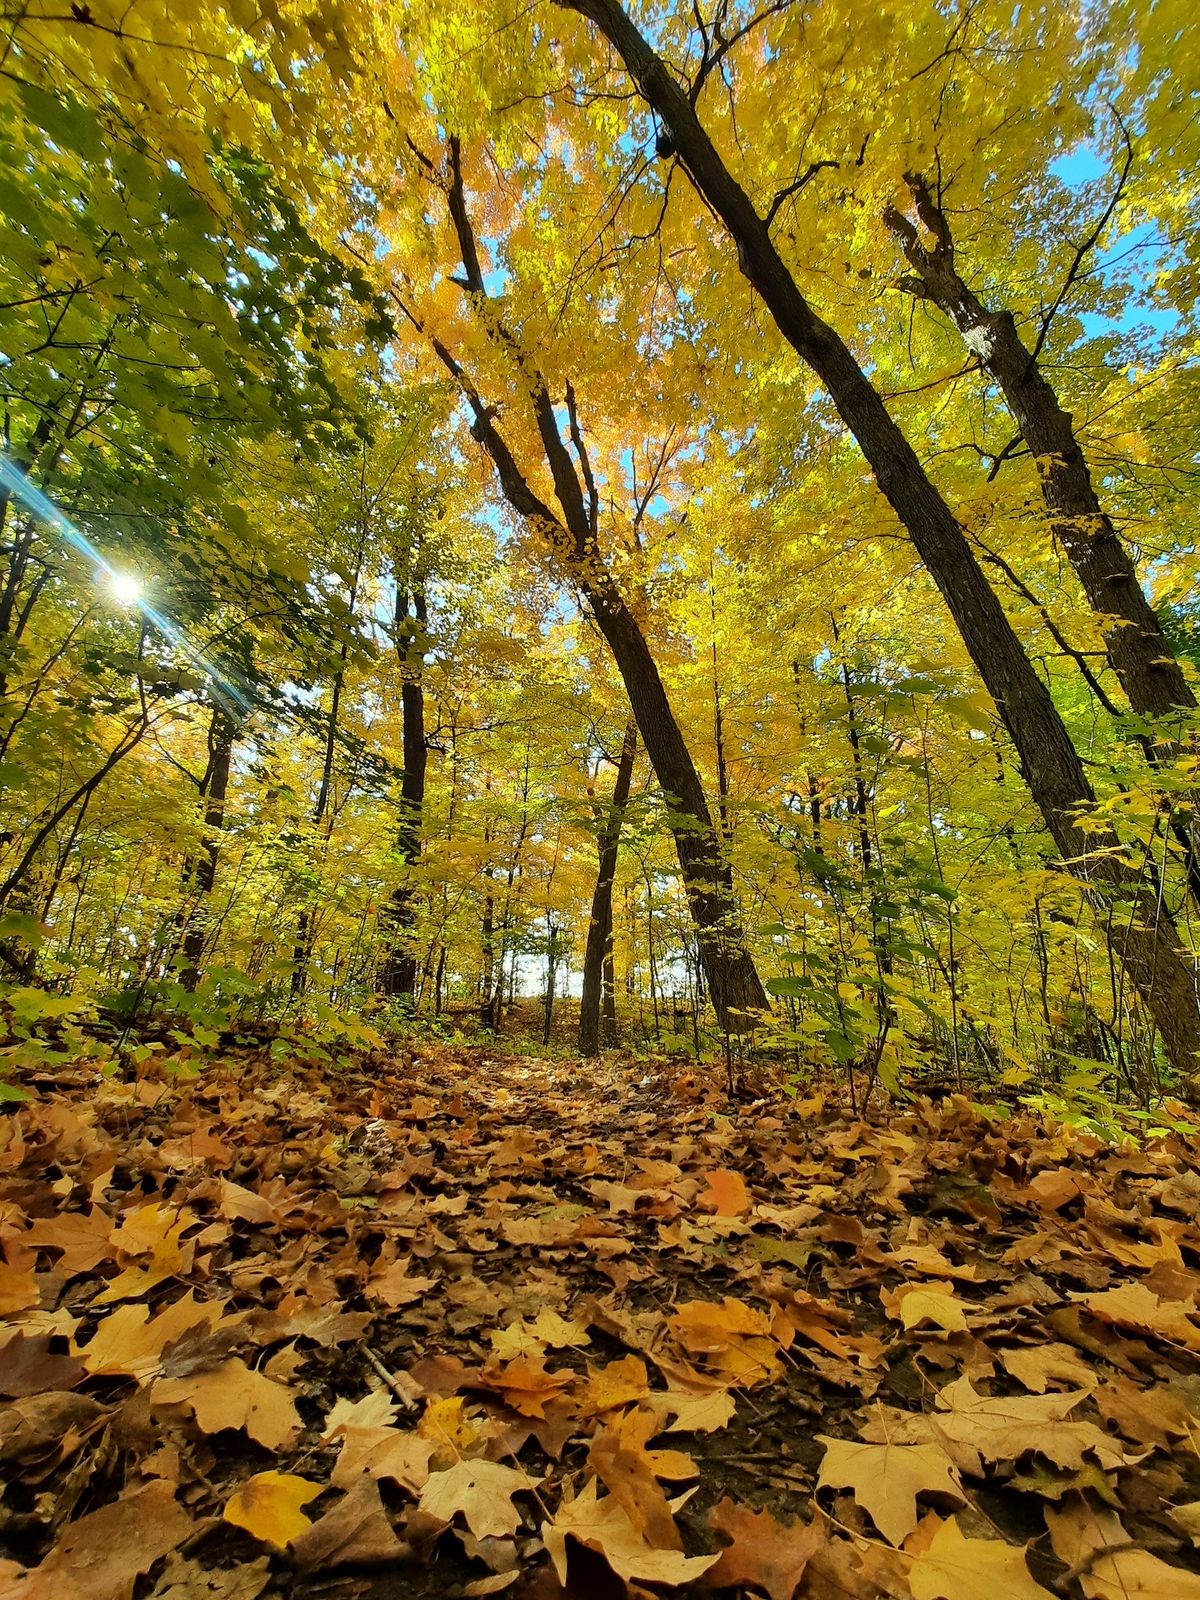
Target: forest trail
x=460 y=1323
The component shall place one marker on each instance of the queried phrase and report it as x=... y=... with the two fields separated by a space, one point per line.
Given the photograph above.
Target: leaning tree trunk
x=1134 y=643
x=216 y=789
x=599 y=934
x=398 y=978
x=737 y=992
x=1144 y=939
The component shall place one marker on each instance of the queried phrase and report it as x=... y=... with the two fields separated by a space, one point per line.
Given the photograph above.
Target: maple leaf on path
x=918 y=1303
x=691 y=1413
x=1133 y=1305
x=1037 y=1366
x=18 y=1288
x=102 y=1556
x=767 y=1554
x=129 y=1343
x=375 y=1410
x=27 y=1366
x=604 y=1525
x=1003 y=1427
x=183 y=1579
x=1090 y=1541
x=887 y=1478
x=954 y=1567
x=726 y=1194
x=482 y=1491
x=268 y=1505
x=619 y=1383
x=355 y=1532
x=234 y=1396
x=630 y=1473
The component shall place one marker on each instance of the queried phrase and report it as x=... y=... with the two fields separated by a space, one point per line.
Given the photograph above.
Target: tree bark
x=599 y=934
x=1137 y=649
x=398 y=979
x=216 y=789
x=1145 y=939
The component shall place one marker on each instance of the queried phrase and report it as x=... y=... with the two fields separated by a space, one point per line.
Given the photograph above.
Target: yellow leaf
x=269 y=1506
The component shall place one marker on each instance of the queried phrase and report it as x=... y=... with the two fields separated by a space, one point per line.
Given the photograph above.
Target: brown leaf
x=1133 y=1305
x=234 y=1396
x=101 y=1556
x=1087 y=1539
x=482 y=1491
x=27 y=1366
x=604 y=1525
x=761 y=1552
x=355 y=1532
x=726 y=1193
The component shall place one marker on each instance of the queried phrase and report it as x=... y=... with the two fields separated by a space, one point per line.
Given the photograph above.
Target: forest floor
x=455 y=1323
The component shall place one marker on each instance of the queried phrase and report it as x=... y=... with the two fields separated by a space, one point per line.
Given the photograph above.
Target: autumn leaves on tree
x=480 y=419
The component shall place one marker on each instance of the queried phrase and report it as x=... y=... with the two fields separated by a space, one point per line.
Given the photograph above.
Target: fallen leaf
x=1087 y=1539
x=1133 y=1305
x=268 y=1505
x=355 y=1532
x=761 y=1552
x=102 y=1556
x=233 y=1395
x=957 y=1568
x=726 y=1193
x=603 y=1525
x=887 y=1478
x=482 y=1491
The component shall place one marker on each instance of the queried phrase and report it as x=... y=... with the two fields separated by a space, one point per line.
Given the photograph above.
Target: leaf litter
x=461 y=1324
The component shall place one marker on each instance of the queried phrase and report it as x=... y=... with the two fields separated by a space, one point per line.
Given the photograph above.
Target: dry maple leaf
x=268 y=1505
x=1003 y=1427
x=762 y=1552
x=129 y=1343
x=376 y=1409
x=18 y=1288
x=619 y=1383
x=630 y=1473
x=605 y=1526
x=887 y=1478
x=1133 y=1305
x=726 y=1193
x=27 y=1366
x=953 y=1567
x=692 y=1413
x=482 y=1491
x=1091 y=1540
x=1038 y=1365
x=355 y=1532
x=526 y=1385
x=188 y=1580
x=389 y=1453
x=914 y=1304
x=234 y=1396
x=102 y=1556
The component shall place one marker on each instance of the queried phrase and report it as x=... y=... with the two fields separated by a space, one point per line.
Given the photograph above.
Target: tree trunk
x=737 y=992
x=598 y=948
x=398 y=979
x=216 y=788
x=1137 y=650
x=1145 y=940
x=551 y=973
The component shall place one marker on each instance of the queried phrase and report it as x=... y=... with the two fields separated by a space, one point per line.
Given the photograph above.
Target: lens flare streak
x=40 y=506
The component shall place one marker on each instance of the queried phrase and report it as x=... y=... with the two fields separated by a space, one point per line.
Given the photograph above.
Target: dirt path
x=466 y=1324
